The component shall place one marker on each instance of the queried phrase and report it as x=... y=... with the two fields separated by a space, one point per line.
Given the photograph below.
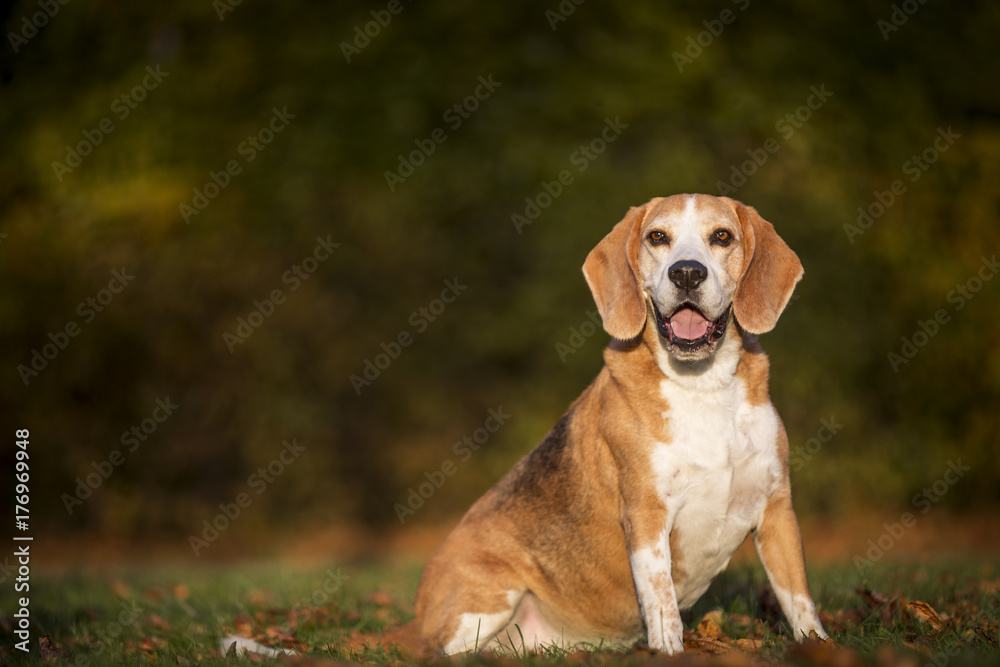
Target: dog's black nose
x=687 y=274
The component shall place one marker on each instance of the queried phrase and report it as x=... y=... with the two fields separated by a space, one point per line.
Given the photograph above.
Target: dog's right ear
x=612 y=274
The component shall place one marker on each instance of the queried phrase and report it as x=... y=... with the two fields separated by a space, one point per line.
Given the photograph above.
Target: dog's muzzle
x=688 y=329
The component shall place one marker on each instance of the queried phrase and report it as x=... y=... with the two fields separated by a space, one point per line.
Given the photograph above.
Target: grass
x=173 y=616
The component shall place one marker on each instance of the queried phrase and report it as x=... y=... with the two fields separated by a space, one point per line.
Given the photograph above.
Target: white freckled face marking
x=692 y=229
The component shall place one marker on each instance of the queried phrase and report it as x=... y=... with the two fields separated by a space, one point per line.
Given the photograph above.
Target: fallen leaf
x=982 y=633
x=575 y=658
x=873 y=599
x=710 y=625
x=823 y=653
x=831 y=622
x=181 y=591
x=276 y=632
x=152 y=644
x=243 y=625
x=49 y=651
x=155 y=594
x=120 y=588
x=706 y=645
x=381 y=598
x=740 y=619
x=887 y=656
x=925 y=613
x=158 y=621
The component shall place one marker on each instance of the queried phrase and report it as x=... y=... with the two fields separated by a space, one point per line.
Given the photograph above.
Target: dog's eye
x=722 y=237
x=657 y=238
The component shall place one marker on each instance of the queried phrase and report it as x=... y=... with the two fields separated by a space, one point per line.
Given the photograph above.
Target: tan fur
x=772 y=270
x=558 y=528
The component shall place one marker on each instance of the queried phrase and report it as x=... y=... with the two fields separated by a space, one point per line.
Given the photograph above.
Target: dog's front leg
x=647 y=532
x=779 y=545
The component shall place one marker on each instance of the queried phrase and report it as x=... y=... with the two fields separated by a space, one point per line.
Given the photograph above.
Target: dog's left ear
x=770 y=271
x=612 y=273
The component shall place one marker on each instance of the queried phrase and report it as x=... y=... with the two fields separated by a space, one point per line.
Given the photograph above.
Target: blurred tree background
x=697 y=89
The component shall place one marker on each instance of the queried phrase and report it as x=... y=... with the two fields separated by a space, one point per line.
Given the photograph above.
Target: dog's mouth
x=689 y=330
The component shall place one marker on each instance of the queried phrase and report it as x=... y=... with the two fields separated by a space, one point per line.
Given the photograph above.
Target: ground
x=896 y=613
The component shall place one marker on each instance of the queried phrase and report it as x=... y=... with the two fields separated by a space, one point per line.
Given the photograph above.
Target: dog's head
x=692 y=263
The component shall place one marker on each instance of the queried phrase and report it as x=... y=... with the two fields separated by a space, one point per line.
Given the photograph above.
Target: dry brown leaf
x=158 y=621
x=575 y=658
x=748 y=645
x=706 y=645
x=181 y=660
x=243 y=625
x=990 y=587
x=152 y=644
x=887 y=656
x=710 y=625
x=357 y=642
x=50 y=651
x=925 y=613
x=740 y=619
x=854 y=616
x=181 y=591
x=831 y=622
x=643 y=649
x=873 y=599
x=120 y=588
x=259 y=597
x=985 y=636
x=823 y=653
x=381 y=598
x=155 y=594
x=276 y=632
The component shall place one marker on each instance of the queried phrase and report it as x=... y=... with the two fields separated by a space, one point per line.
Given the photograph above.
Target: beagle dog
x=647 y=485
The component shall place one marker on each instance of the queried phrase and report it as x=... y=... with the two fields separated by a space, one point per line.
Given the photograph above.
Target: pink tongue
x=688 y=324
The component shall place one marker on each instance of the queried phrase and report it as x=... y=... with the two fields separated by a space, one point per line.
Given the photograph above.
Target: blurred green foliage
x=323 y=176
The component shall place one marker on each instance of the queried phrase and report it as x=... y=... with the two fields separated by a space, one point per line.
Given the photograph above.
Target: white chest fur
x=716 y=471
